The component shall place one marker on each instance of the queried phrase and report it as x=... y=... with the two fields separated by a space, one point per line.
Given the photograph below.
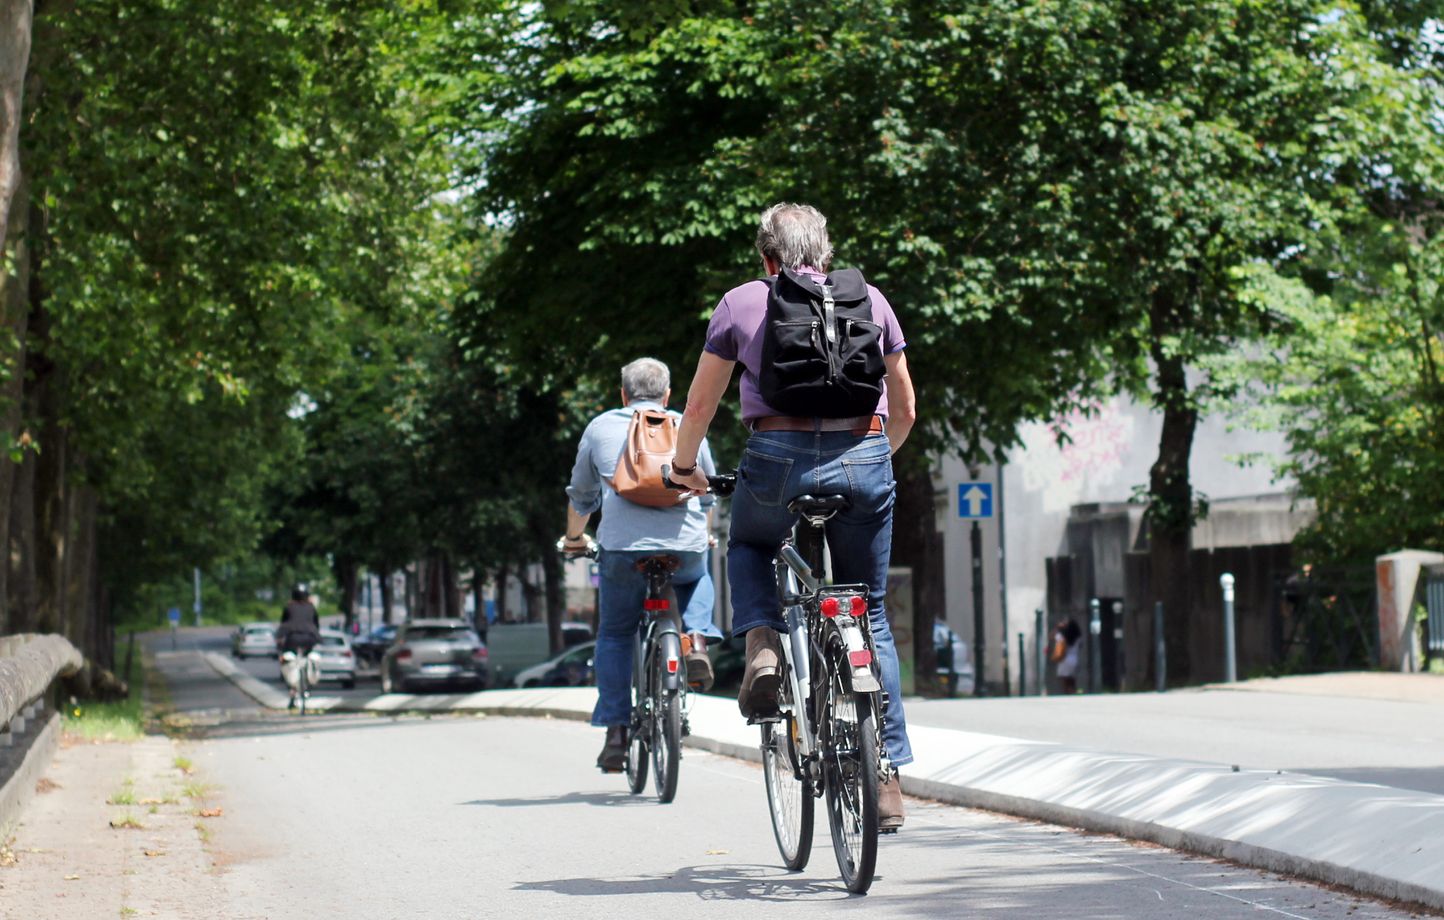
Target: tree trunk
x=555 y=598
x=451 y=588
x=346 y=572
x=917 y=544
x=385 y=578
x=16 y=18
x=502 y=574
x=1170 y=512
x=408 y=599
x=14 y=325
x=478 y=602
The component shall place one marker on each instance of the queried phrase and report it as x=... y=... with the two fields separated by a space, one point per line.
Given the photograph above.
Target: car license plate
x=438 y=669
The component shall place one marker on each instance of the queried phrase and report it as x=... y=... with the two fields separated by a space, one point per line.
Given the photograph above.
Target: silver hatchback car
x=435 y=653
x=254 y=639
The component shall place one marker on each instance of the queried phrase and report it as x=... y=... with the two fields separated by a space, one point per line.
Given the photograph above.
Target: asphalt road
x=494 y=817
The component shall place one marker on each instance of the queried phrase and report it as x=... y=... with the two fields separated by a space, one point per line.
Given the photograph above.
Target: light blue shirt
x=628 y=525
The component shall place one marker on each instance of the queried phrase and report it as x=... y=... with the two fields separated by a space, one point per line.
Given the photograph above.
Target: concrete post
x=1230 y=647
x=1040 y=651
x=1160 y=650
x=1022 y=664
x=1095 y=646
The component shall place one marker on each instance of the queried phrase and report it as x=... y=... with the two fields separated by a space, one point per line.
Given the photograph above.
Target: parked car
x=253 y=639
x=434 y=653
x=338 y=659
x=516 y=646
x=370 y=646
x=572 y=668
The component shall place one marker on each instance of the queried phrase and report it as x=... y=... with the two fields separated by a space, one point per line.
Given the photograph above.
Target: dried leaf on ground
x=72 y=878
x=211 y=812
x=45 y=784
x=154 y=852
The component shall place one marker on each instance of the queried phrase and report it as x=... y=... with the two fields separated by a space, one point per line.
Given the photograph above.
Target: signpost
x=174 y=614
x=975 y=503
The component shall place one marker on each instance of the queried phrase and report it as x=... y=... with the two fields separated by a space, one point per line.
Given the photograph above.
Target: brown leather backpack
x=651 y=443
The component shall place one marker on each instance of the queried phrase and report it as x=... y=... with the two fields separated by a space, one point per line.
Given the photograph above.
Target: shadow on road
x=710 y=883
x=604 y=799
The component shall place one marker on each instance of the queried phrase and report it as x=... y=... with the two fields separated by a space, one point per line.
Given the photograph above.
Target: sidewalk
x=1378 y=839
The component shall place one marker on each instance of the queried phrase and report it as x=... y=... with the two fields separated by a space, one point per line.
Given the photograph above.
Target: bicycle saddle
x=661 y=563
x=819 y=504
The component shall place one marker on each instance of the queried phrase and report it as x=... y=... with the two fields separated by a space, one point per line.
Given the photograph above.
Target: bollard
x=1160 y=650
x=1095 y=645
x=1230 y=665
x=1022 y=664
x=1040 y=651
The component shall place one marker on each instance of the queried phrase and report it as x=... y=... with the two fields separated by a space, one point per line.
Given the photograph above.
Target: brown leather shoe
x=890 y=805
x=613 y=758
x=699 y=666
x=762 y=676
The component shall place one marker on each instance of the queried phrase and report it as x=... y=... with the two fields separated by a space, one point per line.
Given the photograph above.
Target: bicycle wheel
x=303 y=687
x=666 y=725
x=849 y=776
x=639 y=734
x=789 y=794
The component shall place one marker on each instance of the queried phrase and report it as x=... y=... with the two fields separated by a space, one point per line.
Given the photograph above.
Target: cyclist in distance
x=300 y=629
x=791 y=455
x=630 y=532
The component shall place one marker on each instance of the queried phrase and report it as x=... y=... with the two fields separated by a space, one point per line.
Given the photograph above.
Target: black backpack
x=821 y=350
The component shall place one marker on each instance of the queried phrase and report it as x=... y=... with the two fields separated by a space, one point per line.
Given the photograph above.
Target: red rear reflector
x=656 y=603
x=831 y=607
x=860 y=658
x=671 y=666
x=859 y=606
x=404 y=653
x=479 y=653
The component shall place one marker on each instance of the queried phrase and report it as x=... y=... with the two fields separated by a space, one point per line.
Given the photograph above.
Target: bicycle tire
x=302 y=687
x=790 y=801
x=666 y=725
x=640 y=731
x=850 y=780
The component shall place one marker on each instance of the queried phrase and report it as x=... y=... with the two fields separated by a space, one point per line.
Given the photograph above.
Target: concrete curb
x=19 y=789
x=1373 y=839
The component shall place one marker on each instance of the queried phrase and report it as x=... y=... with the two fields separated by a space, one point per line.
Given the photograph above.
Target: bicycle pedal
x=765 y=720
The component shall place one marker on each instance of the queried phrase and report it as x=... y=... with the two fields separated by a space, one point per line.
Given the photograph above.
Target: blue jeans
x=623 y=589
x=781 y=465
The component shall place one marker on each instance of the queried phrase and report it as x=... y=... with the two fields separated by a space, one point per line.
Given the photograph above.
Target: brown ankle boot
x=613 y=758
x=762 y=676
x=890 y=805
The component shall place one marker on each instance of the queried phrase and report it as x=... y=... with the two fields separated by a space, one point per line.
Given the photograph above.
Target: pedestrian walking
x=1067 y=636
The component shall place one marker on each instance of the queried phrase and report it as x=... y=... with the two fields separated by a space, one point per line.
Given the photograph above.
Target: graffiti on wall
x=1097 y=444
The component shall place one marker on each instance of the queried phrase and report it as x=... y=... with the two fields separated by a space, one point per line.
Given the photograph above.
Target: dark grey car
x=437 y=654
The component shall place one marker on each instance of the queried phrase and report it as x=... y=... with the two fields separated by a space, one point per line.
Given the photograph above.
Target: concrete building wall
x=1107 y=459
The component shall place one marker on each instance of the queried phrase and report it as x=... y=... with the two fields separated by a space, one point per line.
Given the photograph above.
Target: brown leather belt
x=858 y=425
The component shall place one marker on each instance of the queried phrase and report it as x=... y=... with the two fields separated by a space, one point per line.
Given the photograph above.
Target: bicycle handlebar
x=721 y=486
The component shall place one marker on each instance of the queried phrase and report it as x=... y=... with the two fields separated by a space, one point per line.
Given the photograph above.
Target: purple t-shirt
x=733 y=335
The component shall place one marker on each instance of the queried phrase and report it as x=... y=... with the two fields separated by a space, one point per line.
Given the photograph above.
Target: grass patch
x=195 y=791
x=184 y=765
x=119 y=721
x=204 y=832
x=128 y=911
x=125 y=796
x=154 y=810
x=127 y=822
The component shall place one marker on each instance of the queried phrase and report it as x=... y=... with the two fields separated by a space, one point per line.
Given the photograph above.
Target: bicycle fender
x=860 y=678
x=669 y=649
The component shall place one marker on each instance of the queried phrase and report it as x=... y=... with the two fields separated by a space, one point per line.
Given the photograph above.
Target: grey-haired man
x=630 y=532
x=787 y=457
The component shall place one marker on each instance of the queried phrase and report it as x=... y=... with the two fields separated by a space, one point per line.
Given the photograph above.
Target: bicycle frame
x=659 y=629
x=801 y=591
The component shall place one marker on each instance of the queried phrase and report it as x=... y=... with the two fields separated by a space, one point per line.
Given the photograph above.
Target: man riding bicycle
x=300 y=629
x=629 y=533
x=789 y=455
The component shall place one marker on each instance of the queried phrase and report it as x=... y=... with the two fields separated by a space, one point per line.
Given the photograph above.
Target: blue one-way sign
x=975 y=500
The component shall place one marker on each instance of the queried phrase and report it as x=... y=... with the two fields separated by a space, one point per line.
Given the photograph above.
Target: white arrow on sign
x=975 y=497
